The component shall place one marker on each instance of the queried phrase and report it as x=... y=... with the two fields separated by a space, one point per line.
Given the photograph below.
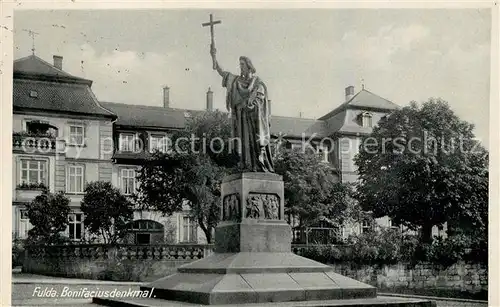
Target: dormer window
x=366 y=120
x=33 y=94
x=159 y=142
x=128 y=142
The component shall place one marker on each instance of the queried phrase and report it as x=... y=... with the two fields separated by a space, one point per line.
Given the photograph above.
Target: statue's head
x=246 y=66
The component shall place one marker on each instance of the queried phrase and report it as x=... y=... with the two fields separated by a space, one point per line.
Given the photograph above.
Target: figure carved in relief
x=271 y=207
x=253 y=207
x=231 y=207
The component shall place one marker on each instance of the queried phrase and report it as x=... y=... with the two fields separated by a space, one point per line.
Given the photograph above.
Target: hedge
x=391 y=246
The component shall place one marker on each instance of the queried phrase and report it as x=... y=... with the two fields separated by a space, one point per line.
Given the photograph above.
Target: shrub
x=389 y=246
x=448 y=251
x=17 y=252
x=409 y=244
x=326 y=253
x=380 y=247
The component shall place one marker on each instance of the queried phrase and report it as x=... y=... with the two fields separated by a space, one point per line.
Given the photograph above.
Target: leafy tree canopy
x=48 y=213
x=107 y=211
x=422 y=166
x=312 y=189
x=191 y=172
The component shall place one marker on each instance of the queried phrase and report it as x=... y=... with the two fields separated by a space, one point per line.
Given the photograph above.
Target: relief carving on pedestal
x=266 y=206
x=231 y=207
x=272 y=207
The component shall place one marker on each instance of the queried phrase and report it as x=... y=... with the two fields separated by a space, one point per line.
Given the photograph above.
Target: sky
x=306 y=57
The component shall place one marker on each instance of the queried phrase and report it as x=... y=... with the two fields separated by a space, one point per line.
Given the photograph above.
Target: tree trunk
x=208 y=235
x=206 y=231
x=426 y=233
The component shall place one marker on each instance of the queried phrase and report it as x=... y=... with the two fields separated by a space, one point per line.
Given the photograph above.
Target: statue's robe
x=250 y=116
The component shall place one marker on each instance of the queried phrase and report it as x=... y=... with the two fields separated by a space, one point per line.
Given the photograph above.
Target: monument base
x=253 y=262
x=256 y=278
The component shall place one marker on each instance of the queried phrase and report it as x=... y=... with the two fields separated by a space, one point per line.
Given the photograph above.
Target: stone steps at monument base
x=245 y=262
x=260 y=278
x=377 y=302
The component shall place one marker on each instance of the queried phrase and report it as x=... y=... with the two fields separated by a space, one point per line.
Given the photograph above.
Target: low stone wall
x=459 y=277
x=147 y=263
x=120 y=262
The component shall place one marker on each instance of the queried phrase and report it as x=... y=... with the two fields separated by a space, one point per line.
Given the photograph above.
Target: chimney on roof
x=210 y=100
x=349 y=92
x=58 y=61
x=166 y=97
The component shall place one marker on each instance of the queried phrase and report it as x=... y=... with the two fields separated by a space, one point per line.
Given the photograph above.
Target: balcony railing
x=37 y=143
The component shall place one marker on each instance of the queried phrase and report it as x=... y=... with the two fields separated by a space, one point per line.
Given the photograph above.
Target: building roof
x=56 y=97
x=40 y=86
x=364 y=99
x=293 y=126
x=130 y=115
x=33 y=66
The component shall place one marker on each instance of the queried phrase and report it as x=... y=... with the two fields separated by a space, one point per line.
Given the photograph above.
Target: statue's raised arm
x=216 y=65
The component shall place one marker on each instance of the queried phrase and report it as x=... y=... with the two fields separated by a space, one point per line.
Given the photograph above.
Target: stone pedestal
x=253 y=262
x=252 y=215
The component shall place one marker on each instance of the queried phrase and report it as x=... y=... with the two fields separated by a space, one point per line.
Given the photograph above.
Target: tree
x=107 y=211
x=422 y=167
x=48 y=213
x=312 y=190
x=190 y=173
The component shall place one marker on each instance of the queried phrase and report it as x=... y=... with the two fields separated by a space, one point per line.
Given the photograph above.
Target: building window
x=128 y=142
x=75 y=226
x=366 y=226
x=143 y=238
x=146 y=230
x=158 y=142
x=323 y=153
x=392 y=224
x=33 y=172
x=188 y=229
x=128 y=181
x=75 y=179
x=76 y=135
x=23 y=215
x=295 y=147
x=366 y=120
x=145 y=225
x=41 y=128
